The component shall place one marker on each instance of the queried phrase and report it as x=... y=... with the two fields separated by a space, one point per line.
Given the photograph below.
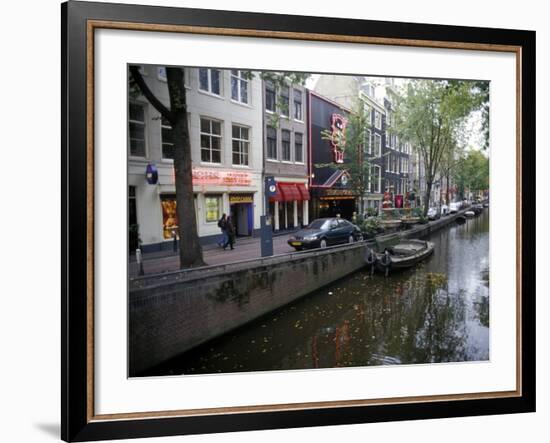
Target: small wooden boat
x=403 y=254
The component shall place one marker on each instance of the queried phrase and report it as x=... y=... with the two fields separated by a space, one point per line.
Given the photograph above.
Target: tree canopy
x=431 y=114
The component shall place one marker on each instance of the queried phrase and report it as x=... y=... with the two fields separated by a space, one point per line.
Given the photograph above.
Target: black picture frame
x=78 y=424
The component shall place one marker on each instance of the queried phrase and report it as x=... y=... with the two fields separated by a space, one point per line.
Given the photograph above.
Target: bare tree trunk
x=447 y=189
x=190 y=250
x=428 y=195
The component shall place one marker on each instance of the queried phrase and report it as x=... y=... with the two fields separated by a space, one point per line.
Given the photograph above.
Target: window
x=241 y=145
x=369 y=89
x=270 y=96
x=239 y=86
x=298 y=148
x=377 y=145
x=285 y=140
x=271 y=143
x=210 y=80
x=387 y=139
x=136 y=129
x=375 y=179
x=388 y=117
x=368 y=112
x=211 y=141
x=285 y=101
x=298 y=105
x=388 y=159
x=161 y=73
x=167 y=139
x=377 y=120
x=367 y=149
x=213 y=207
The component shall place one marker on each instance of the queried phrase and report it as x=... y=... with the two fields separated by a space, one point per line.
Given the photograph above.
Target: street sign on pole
x=266 y=231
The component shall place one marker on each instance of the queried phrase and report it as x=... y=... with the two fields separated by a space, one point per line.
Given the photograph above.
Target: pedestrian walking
x=230 y=232
x=222 y=224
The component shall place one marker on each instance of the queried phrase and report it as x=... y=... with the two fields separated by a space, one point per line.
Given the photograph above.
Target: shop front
x=242 y=211
x=334 y=203
x=216 y=192
x=289 y=207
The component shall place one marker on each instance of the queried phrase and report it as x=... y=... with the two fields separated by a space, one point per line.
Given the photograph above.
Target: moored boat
x=402 y=254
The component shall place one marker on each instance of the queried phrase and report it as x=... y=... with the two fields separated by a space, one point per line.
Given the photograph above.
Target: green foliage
x=417 y=212
x=472 y=172
x=371 y=212
x=431 y=114
x=371 y=227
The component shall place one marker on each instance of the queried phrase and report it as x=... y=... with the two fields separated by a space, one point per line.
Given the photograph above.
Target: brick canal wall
x=174 y=312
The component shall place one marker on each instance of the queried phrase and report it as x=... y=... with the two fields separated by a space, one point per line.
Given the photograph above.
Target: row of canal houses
x=243 y=129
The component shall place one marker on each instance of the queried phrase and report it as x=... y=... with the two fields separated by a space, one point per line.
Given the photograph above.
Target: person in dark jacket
x=222 y=224
x=230 y=231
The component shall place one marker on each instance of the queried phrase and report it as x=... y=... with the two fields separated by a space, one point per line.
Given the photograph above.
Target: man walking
x=222 y=224
x=230 y=232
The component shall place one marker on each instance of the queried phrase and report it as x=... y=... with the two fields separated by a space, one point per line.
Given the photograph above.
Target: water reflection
x=435 y=312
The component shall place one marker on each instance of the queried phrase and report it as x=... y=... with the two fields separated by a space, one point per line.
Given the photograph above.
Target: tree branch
x=148 y=94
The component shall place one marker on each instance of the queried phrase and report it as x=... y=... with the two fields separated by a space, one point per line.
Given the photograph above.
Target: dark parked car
x=325 y=232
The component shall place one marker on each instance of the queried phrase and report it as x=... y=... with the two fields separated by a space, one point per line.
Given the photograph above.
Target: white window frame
x=242 y=142
x=240 y=79
x=369 y=142
x=270 y=111
x=387 y=139
x=162 y=143
x=209 y=81
x=295 y=150
x=377 y=189
x=294 y=91
x=144 y=123
x=377 y=145
x=211 y=135
x=282 y=110
x=377 y=119
x=276 y=158
x=289 y=160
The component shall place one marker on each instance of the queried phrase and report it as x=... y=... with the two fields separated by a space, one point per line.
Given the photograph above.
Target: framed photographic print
x=277 y=221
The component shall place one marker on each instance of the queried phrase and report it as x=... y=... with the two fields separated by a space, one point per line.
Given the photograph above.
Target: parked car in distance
x=324 y=232
x=444 y=210
x=433 y=213
x=454 y=207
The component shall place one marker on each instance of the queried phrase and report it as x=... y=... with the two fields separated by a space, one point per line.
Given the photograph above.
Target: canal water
x=435 y=312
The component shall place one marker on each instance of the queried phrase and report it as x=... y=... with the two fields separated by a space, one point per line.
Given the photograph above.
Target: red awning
x=304 y=192
x=290 y=192
x=278 y=197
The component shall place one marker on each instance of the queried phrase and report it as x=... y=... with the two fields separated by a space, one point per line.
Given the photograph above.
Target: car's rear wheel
x=323 y=243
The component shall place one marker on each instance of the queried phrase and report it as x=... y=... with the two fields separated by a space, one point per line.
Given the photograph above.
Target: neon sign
x=338 y=125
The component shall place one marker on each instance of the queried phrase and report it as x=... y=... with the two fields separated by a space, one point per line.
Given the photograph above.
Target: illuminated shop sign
x=338 y=125
x=224 y=178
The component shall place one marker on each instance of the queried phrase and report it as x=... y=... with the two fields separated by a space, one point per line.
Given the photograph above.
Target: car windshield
x=317 y=224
